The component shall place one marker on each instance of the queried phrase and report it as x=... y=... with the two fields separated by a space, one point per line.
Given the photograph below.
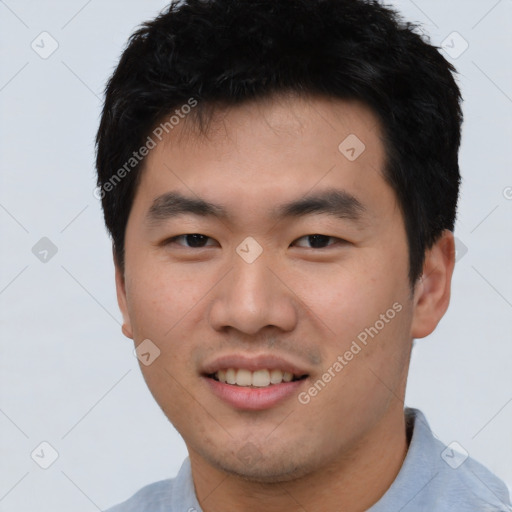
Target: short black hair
x=226 y=52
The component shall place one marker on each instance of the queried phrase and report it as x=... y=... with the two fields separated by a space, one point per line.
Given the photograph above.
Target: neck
x=353 y=482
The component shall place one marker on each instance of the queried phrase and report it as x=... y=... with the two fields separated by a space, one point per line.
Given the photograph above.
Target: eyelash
x=175 y=238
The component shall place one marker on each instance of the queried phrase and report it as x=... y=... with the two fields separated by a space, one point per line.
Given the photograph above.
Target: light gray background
x=68 y=375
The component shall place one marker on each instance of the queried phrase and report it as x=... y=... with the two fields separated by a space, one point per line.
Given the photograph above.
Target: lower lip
x=253 y=398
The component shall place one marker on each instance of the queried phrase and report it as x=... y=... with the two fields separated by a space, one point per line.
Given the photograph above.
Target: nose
x=251 y=297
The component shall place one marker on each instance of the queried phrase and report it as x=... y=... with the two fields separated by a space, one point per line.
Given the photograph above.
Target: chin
x=262 y=468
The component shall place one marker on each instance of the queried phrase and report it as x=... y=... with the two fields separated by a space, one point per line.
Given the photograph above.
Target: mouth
x=254 y=382
x=262 y=378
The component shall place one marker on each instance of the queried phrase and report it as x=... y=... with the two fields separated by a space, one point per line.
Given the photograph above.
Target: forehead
x=269 y=152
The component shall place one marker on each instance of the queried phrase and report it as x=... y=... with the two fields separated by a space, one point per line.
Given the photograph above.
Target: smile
x=259 y=378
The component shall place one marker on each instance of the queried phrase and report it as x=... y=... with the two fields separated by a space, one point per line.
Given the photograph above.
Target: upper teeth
x=259 y=378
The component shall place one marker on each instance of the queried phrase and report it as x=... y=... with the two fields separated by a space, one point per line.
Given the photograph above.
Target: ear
x=121 y=299
x=432 y=291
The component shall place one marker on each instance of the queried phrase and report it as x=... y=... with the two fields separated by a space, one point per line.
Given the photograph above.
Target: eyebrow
x=334 y=202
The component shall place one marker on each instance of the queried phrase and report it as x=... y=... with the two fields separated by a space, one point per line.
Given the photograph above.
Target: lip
x=252 y=398
x=253 y=363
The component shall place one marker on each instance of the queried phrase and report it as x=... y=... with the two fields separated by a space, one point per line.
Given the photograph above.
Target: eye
x=194 y=240
x=199 y=241
x=317 y=241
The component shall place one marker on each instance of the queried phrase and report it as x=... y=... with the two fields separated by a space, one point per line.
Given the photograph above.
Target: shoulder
x=475 y=487
x=441 y=478
x=172 y=495
x=150 y=497
x=458 y=481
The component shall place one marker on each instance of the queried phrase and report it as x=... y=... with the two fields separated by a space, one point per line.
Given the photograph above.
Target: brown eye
x=317 y=241
x=192 y=240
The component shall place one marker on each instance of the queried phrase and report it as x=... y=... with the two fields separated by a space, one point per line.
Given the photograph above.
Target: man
x=280 y=180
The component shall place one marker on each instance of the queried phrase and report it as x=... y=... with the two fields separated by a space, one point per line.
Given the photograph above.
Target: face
x=296 y=263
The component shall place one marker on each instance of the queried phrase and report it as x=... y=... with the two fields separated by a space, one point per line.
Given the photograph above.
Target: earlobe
x=126 y=330
x=432 y=291
x=122 y=301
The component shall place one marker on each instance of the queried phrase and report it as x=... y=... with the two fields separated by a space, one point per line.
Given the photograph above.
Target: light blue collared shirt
x=433 y=478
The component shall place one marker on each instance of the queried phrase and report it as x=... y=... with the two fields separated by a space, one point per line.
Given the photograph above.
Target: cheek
x=349 y=297
x=161 y=302
x=161 y=296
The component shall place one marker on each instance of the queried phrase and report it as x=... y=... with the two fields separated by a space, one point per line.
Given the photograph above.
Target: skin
x=343 y=449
